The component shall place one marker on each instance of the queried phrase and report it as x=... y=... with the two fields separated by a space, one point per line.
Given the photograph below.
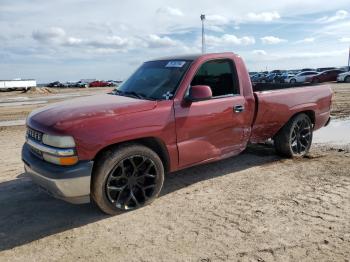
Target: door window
x=219 y=75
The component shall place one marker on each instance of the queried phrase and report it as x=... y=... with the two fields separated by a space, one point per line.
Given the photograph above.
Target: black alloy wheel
x=126 y=177
x=301 y=137
x=131 y=182
x=295 y=138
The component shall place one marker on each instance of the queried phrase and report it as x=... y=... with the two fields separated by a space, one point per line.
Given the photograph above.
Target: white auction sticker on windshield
x=175 y=64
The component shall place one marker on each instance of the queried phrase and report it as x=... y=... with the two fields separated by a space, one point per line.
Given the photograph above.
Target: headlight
x=58 y=141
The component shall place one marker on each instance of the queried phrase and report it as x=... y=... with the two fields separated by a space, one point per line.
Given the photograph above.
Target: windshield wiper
x=132 y=94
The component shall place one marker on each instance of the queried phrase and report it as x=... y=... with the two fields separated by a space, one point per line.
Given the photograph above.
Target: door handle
x=238 y=108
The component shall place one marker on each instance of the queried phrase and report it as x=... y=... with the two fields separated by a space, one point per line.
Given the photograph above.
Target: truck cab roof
x=192 y=57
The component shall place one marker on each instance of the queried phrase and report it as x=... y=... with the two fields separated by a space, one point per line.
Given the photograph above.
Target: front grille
x=34 y=135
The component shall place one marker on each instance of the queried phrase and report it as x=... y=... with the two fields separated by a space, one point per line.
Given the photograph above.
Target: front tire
x=126 y=178
x=347 y=79
x=295 y=138
x=293 y=81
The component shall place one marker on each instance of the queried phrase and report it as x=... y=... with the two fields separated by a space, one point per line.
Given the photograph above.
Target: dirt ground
x=253 y=207
x=341 y=100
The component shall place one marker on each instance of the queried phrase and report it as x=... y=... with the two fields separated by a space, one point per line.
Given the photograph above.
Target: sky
x=69 y=40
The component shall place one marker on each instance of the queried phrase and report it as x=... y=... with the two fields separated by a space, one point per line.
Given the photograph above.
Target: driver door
x=214 y=128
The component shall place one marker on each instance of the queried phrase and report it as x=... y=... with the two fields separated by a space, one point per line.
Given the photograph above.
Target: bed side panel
x=275 y=108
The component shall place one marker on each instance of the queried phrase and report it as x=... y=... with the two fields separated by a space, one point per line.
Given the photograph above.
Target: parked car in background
x=56 y=84
x=78 y=84
x=282 y=77
x=99 y=84
x=301 y=77
x=252 y=73
x=326 y=76
x=344 y=77
x=276 y=76
x=81 y=84
x=322 y=69
x=112 y=83
x=258 y=78
x=278 y=71
x=69 y=84
x=307 y=69
x=294 y=71
x=270 y=77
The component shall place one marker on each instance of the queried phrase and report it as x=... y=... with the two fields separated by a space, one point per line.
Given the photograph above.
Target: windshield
x=155 y=80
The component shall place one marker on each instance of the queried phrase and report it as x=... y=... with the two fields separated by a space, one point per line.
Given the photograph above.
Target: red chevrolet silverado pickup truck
x=172 y=113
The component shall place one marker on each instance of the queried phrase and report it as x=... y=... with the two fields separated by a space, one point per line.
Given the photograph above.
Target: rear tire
x=293 y=81
x=295 y=138
x=126 y=178
x=347 y=79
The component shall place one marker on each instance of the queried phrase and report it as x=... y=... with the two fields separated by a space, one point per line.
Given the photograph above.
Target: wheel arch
x=309 y=113
x=154 y=143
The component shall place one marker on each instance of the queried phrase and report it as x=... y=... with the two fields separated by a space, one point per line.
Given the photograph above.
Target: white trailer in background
x=17 y=84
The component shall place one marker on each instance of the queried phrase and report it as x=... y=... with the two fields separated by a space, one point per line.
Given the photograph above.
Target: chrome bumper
x=71 y=184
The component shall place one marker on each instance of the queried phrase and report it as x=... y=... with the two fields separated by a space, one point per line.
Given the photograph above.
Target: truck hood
x=80 y=109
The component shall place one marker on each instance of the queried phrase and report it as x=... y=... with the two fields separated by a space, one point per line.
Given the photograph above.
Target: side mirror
x=199 y=93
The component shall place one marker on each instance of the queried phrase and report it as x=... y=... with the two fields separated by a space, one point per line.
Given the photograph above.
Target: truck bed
x=276 y=103
x=258 y=87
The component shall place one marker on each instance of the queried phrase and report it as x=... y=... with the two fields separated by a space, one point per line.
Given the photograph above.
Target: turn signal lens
x=68 y=161
x=62 y=161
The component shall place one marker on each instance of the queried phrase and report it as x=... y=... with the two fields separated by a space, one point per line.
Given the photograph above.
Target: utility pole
x=203 y=35
x=349 y=60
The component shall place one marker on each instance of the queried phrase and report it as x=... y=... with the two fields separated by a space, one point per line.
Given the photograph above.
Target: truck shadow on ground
x=28 y=214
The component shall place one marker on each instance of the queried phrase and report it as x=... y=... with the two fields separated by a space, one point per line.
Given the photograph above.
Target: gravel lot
x=253 y=207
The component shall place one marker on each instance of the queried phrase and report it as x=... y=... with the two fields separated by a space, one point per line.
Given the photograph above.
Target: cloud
x=339 y=15
x=169 y=11
x=251 y=17
x=262 y=17
x=215 y=28
x=306 y=40
x=272 y=40
x=89 y=33
x=111 y=42
x=72 y=41
x=228 y=39
x=156 y=41
x=308 y=55
x=344 y=40
x=216 y=23
x=217 y=19
x=50 y=35
x=56 y=36
x=259 y=52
